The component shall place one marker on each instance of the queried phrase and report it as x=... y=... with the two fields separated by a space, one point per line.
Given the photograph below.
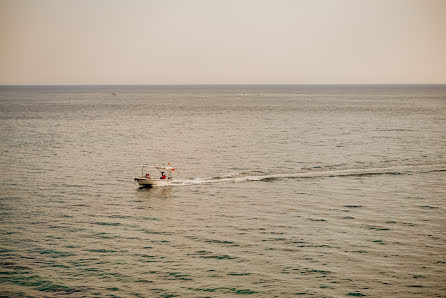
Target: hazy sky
x=222 y=42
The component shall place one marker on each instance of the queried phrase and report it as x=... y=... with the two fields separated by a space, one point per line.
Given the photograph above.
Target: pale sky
x=54 y=42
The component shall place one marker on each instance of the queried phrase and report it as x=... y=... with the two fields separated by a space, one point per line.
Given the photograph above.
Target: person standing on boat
x=163 y=176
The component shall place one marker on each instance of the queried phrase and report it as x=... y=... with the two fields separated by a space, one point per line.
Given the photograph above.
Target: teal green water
x=279 y=191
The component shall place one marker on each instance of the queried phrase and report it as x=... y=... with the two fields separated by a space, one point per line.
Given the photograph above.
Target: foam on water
x=314 y=174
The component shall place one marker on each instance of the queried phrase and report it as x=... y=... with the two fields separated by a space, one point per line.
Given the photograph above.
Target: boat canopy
x=160 y=168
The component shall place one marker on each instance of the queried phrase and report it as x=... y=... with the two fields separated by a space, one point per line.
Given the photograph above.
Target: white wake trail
x=399 y=170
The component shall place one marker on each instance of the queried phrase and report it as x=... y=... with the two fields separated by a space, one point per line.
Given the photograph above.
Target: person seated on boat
x=163 y=176
x=147 y=175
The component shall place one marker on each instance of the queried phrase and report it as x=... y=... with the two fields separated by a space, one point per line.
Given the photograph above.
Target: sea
x=278 y=191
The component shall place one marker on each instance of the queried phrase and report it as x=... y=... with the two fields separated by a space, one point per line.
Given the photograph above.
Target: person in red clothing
x=163 y=176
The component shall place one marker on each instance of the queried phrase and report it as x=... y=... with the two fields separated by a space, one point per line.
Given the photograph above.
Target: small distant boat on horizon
x=146 y=180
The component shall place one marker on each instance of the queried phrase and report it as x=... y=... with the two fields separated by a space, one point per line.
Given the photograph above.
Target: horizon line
x=191 y=85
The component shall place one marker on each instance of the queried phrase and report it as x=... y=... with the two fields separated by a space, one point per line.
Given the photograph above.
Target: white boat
x=165 y=176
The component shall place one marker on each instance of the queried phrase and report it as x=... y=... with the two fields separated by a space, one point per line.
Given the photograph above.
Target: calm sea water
x=279 y=191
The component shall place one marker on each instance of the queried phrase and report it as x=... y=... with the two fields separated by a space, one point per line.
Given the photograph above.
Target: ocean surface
x=324 y=191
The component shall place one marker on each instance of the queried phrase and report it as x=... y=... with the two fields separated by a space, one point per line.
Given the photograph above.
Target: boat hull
x=145 y=182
